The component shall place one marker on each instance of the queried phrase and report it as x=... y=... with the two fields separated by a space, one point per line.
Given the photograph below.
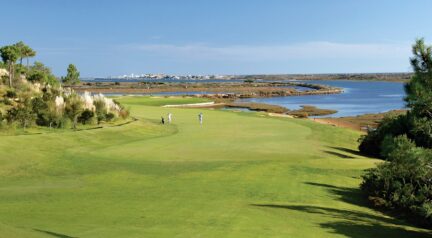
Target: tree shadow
x=349 y=195
x=340 y=155
x=54 y=234
x=352 y=223
x=351 y=151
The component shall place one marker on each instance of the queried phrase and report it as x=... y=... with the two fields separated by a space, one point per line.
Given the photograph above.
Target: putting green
x=238 y=175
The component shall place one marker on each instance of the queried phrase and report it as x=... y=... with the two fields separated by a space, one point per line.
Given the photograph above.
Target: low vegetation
x=258 y=107
x=403 y=183
x=32 y=96
x=365 y=122
x=308 y=111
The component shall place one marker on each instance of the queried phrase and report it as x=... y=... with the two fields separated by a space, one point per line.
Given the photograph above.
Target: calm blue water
x=359 y=97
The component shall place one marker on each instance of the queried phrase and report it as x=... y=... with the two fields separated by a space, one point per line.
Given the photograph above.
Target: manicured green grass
x=238 y=175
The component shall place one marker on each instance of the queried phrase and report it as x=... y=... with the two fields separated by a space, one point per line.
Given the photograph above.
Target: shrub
x=23 y=114
x=86 y=117
x=74 y=108
x=396 y=147
x=404 y=182
x=100 y=109
x=11 y=94
x=42 y=74
x=421 y=131
x=370 y=144
x=124 y=113
x=109 y=116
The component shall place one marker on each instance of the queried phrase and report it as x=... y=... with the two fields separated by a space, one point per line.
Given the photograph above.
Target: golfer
x=169 y=118
x=200 y=118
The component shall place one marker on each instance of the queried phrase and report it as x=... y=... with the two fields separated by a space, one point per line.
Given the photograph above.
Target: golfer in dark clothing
x=162 y=120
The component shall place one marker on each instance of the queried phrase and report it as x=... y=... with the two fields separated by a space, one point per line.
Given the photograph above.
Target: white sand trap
x=280 y=115
x=202 y=104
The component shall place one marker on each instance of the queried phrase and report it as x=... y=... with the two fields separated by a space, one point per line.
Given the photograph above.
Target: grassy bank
x=361 y=122
x=238 y=175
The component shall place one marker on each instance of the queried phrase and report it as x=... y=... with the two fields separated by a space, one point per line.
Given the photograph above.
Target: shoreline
x=358 y=123
x=212 y=90
x=361 y=123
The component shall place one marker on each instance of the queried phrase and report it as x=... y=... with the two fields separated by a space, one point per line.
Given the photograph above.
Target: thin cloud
x=309 y=50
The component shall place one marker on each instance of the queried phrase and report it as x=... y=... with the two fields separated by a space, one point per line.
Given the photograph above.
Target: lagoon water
x=359 y=97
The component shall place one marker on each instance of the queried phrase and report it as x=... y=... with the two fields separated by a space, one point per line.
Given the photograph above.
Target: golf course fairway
x=240 y=174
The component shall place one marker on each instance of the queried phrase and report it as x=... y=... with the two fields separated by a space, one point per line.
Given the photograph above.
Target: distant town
x=168 y=76
x=401 y=77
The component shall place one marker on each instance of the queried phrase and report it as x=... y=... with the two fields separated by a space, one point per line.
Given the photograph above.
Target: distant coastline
x=390 y=77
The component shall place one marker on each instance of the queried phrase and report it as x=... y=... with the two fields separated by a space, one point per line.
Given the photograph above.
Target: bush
x=421 y=129
x=392 y=148
x=40 y=108
x=370 y=144
x=41 y=74
x=100 y=109
x=22 y=114
x=109 y=116
x=404 y=182
x=86 y=117
x=73 y=109
x=11 y=94
x=124 y=113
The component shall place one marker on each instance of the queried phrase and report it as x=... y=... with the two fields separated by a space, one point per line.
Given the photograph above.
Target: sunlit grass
x=238 y=175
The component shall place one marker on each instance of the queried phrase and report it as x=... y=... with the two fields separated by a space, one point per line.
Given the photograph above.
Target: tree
x=29 y=52
x=404 y=181
x=24 y=51
x=417 y=124
x=419 y=89
x=72 y=76
x=42 y=74
x=419 y=94
x=10 y=55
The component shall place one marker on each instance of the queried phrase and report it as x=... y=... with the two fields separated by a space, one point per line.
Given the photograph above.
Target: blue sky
x=218 y=37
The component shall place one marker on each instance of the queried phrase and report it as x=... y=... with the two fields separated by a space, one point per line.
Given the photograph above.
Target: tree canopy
x=10 y=55
x=24 y=51
x=72 y=76
x=405 y=142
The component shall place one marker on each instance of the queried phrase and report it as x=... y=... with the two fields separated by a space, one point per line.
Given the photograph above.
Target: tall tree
x=20 y=46
x=28 y=53
x=72 y=76
x=419 y=94
x=419 y=89
x=24 y=52
x=10 y=55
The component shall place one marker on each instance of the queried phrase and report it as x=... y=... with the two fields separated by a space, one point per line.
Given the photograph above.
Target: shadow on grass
x=340 y=155
x=349 y=195
x=352 y=223
x=351 y=151
x=54 y=234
